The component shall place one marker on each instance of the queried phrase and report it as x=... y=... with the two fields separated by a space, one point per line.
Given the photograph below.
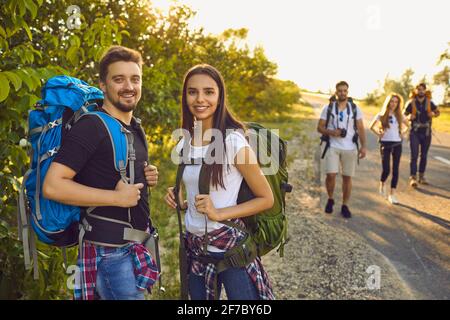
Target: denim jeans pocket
x=115 y=254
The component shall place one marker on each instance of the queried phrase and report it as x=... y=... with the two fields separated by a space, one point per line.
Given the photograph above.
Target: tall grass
x=442 y=123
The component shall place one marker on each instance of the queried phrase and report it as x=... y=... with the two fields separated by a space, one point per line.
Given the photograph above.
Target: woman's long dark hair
x=384 y=114
x=223 y=119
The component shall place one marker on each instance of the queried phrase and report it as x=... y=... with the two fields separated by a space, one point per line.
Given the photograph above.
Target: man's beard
x=120 y=106
x=342 y=99
x=421 y=95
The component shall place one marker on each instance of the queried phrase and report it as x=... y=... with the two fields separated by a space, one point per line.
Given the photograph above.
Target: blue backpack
x=55 y=223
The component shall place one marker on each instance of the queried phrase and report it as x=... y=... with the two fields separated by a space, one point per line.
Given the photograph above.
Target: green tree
x=38 y=40
x=33 y=48
x=402 y=86
x=443 y=77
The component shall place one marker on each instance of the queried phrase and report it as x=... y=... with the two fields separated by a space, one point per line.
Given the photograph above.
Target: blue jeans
x=416 y=140
x=115 y=277
x=236 y=281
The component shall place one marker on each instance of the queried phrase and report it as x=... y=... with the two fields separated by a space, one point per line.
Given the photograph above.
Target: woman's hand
x=203 y=204
x=380 y=132
x=151 y=174
x=170 y=199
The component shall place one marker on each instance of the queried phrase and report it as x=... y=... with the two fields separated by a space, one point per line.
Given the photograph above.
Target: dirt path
x=323 y=258
x=413 y=236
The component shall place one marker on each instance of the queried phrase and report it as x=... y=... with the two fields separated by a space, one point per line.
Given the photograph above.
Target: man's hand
x=128 y=195
x=362 y=153
x=334 y=133
x=151 y=174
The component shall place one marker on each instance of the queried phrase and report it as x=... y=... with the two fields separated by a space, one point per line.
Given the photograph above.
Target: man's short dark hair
x=342 y=83
x=423 y=85
x=118 y=53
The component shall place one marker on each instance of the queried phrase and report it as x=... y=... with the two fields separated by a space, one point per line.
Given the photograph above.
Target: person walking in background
x=341 y=124
x=420 y=111
x=389 y=125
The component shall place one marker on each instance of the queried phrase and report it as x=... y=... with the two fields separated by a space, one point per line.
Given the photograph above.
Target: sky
x=318 y=43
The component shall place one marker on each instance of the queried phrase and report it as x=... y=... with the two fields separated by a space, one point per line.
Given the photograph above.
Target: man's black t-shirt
x=422 y=116
x=87 y=150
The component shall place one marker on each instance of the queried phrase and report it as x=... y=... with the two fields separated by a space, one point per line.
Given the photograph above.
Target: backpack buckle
x=53 y=124
x=124 y=130
x=286 y=187
x=132 y=156
x=39 y=106
x=52 y=152
x=84 y=224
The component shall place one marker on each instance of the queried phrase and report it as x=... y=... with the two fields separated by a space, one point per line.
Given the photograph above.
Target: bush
x=36 y=43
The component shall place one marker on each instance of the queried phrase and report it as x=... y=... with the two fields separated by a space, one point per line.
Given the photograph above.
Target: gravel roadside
x=325 y=260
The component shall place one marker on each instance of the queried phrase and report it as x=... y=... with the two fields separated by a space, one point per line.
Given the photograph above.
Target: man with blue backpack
x=99 y=168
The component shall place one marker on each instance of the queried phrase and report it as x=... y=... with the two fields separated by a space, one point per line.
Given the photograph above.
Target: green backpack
x=266 y=230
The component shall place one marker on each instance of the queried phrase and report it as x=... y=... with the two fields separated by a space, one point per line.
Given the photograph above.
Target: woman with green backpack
x=218 y=161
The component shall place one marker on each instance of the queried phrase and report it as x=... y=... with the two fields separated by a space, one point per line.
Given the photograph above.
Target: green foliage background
x=36 y=43
x=404 y=85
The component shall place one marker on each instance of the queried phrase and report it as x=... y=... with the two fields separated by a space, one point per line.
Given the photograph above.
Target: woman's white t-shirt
x=392 y=133
x=221 y=198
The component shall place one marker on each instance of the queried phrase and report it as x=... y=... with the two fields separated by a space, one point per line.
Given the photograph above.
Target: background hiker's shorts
x=344 y=159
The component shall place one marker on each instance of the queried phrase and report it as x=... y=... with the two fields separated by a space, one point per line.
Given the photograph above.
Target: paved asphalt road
x=414 y=235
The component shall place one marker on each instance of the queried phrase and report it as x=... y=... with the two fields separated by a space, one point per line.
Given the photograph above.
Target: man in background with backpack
x=420 y=111
x=341 y=125
x=113 y=262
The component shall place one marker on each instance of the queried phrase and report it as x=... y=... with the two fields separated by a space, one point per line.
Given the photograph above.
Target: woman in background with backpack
x=389 y=131
x=204 y=107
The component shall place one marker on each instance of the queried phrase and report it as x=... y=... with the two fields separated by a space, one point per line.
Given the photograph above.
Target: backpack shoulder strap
x=182 y=254
x=120 y=141
x=142 y=132
x=176 y=191
x=414 y=110
x=355 y=127
x=326 y=138
x=354 y=111
x=428 y=107
x=329 y=112
x=204 y=181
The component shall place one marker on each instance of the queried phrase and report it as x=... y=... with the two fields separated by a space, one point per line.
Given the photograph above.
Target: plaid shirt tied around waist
x=145 y=268
x=225 y=238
